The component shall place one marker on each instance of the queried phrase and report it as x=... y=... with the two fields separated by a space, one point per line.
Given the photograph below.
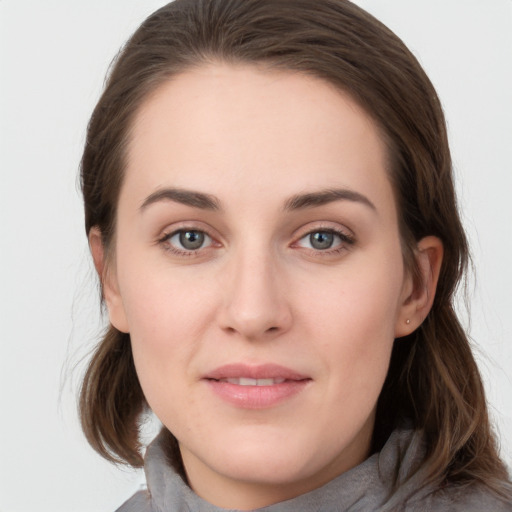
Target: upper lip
x=260 y=371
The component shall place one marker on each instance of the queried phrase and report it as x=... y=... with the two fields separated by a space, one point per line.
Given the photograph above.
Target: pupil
x=191 y=239
x=321 y=240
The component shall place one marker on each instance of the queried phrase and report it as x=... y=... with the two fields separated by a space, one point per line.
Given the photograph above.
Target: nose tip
x=256 y=306
x=252 y=326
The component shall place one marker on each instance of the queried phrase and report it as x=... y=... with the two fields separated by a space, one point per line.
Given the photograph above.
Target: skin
x=258 y=291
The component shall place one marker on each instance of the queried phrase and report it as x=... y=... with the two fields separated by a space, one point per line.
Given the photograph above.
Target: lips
x=256 y=372
x=246 y=381
x=255 y=387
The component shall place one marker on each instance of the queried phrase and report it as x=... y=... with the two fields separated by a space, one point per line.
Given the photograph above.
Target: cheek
x=163 y=345
x=353 y=320
x=167 y=318
x=360 y=303
x=162 y=303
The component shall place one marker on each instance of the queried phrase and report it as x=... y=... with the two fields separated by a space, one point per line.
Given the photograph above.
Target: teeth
x=246 y=381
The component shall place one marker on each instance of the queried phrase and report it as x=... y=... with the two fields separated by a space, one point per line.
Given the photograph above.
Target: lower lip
x=257 y=397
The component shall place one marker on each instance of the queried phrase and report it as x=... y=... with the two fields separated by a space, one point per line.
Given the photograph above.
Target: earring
x=407 y=321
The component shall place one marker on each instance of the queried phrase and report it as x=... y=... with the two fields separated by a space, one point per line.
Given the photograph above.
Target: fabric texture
x=378 y=484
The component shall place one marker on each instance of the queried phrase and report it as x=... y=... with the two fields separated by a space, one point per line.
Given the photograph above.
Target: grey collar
x=379 y=480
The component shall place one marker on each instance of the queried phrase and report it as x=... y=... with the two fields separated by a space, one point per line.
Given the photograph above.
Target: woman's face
x=259 y=272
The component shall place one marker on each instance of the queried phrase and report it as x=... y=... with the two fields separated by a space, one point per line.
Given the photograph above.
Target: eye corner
x=186 y=241
x=323 y=241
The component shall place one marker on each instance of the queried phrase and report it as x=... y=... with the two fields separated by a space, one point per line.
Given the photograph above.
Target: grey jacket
x=371 y=486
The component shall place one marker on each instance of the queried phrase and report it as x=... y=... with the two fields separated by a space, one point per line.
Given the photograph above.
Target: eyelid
x=185 y=225
x=330 y=227
x=207 y=239
x=166 y=234
x=346 y=236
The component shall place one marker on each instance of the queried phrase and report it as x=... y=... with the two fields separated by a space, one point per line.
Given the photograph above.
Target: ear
x=108 y=279
x=418 y=297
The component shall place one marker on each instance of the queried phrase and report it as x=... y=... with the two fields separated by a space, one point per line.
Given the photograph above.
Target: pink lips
x=255 y=387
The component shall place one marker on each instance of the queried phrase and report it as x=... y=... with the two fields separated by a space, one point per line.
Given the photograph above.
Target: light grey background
x=53 y=57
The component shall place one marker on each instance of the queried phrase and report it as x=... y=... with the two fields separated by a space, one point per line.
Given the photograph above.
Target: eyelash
x=346 y=240
x=165 y=242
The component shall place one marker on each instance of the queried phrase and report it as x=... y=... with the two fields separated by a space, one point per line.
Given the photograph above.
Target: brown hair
x=433 y=379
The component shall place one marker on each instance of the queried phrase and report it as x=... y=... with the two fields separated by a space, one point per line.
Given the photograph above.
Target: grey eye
x=190 y=240
x=321 y=240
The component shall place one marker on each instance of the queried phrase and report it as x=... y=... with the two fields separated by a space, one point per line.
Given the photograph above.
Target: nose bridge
x=255 y=303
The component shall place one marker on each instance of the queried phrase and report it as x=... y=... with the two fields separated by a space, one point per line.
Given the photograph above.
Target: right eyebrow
x=183 y=196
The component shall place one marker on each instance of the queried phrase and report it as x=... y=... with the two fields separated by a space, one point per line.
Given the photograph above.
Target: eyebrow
x=186 y=197
x=297 y=202
x=322 y=197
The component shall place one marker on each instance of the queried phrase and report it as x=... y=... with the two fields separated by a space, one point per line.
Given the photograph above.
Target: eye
x=324 y=240
x=188 y=240
x=321 y=240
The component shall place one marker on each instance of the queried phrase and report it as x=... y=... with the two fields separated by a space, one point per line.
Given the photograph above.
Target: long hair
x=433 y=379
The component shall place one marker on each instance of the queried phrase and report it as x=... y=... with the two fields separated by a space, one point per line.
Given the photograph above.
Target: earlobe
x=108 y=280
x=420 y=295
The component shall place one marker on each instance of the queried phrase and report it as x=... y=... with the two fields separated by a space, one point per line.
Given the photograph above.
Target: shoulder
x=139 y=502
x=464 y=499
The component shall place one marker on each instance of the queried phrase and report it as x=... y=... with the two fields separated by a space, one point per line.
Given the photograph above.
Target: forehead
x=264 y=130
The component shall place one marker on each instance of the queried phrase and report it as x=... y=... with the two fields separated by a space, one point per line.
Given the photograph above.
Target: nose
x=255 y=306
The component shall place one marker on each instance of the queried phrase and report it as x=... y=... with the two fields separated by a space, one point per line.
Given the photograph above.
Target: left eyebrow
x=322 y=197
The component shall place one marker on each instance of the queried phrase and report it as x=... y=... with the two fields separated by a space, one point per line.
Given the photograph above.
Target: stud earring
x=407 y=321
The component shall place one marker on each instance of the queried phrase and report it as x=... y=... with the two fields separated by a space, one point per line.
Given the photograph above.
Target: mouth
x=247 y=381
x=254 y=375
x=256 y=387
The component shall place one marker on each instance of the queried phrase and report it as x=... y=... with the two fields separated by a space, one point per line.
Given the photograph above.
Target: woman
x=270 y=208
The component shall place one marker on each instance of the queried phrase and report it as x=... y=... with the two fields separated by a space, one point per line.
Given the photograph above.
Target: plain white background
x=53 y=57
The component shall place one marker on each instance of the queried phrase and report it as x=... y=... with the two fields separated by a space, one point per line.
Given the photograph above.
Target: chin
x=267 y=467
x=273 y=460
